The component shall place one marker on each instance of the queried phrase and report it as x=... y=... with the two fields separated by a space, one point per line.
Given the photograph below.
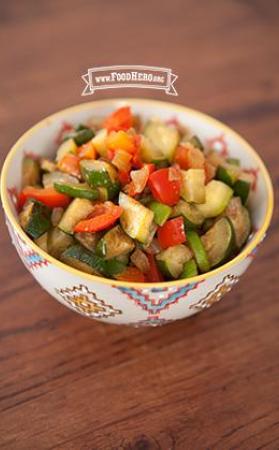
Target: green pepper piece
x=190 y=269
x=161 y=212
x=198 y=250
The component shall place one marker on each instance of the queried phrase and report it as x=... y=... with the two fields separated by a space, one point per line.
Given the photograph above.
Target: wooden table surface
x=209 y=382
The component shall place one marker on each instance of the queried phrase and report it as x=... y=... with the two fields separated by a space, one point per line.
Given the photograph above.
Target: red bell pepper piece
x=131 y=274
x=154 y=275
x=103 y=216
x=121 y=119
x=172 y=233
x=49 y=196
x=164 y=189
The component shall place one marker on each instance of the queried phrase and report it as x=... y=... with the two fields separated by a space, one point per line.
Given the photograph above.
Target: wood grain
x=210 y=382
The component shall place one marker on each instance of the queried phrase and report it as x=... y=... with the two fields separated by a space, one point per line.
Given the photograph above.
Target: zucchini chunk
x=228 y=173
x=163 y=137
x=242 y=189
x=78 y=257
x=190 y=269
x=101 y=174
x=234 y=161
x=79 y=209
x=219 y=241
x=88 y=240
x=172 y=260
x=193 y=185
x=30 y=172
x=198 y=250
x=58 y=241
x=195 y=142
x=49 y=179
x=136 y=219
x=240 y=219
x=42 y=242
x=82 y=135
x=217 y=197
x=99 y=142
x=192 y=217
x=114 y=243
x=68 y=146
x=81 y=190
x=150 y=153
x=35 y=218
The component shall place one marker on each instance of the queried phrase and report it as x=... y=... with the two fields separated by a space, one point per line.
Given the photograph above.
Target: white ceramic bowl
x=138 y=304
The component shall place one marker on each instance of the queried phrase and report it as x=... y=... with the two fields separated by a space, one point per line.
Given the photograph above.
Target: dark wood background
x=210 y=382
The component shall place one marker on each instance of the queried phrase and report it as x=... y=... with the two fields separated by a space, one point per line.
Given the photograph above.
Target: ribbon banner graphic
x=146 y=77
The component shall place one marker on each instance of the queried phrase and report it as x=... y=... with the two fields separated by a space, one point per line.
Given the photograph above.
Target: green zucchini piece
x=68 y=146
x=58 y=241
x=81 y=136
x=79 y=209
x=88 y=240
x=228 y=173
x=195 y=142
x=35 y=218
x=49 y=179
x=219 y=242
x=193 y=185
x=140 y=260
x=242 y=189
x=198 y=250
x=31 y=174
x=162 y=137
x=172 y=260
x=192 y=217
x=81 y=190
x=114 y=243
x=190 y=269
x=101 y=174
x=233 y=161
x=161 y=212
x=217 y=197
x=136 y=220
x=240 y=219
x=78 y=257
x=42 y=242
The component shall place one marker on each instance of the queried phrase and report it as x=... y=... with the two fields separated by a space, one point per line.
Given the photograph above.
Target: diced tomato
x=124 y=177
x=162 y=188
x=154 y=275
x=87 y=151
x=131 y=274
x=49 y=196
x=189 y=157
x=121 y=119
x=103 y=216
x=70 y=164
x=210 y=171
x=172 y=233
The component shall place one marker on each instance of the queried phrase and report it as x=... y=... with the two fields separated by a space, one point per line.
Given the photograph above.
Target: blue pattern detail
x=155 y=307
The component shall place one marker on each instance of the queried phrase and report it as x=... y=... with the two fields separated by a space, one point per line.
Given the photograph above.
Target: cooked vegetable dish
x=133 y=201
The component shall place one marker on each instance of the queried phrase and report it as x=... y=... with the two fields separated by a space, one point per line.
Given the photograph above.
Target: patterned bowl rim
x=173 y=108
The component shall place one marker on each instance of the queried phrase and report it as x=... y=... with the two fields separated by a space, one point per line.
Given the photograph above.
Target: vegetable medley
x=136 y=202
